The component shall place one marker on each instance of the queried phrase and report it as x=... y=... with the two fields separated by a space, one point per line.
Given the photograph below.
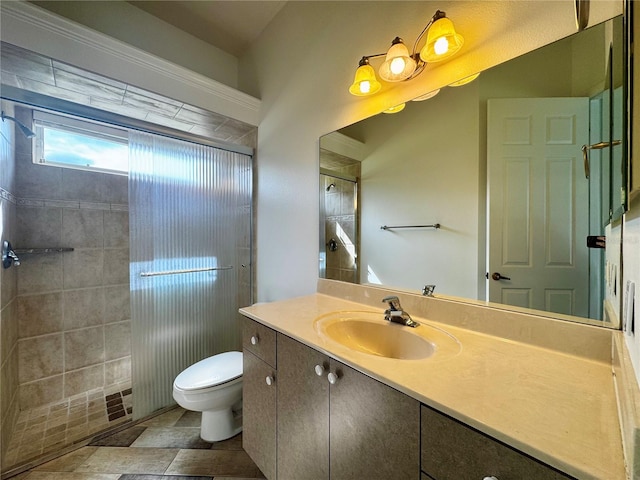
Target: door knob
x=319 y=369
x=254 y=340
x=333 y=378
x=269 y=380
x=497 y=276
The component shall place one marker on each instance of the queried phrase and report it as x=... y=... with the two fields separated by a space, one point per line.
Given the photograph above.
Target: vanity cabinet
x=353 y=428
x=307 y=416
x=452 y=450
x=259 y=395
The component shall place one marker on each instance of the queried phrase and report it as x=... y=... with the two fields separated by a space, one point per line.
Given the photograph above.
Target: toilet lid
x=211 y=371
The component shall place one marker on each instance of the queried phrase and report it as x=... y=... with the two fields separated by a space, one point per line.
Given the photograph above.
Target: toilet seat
x=210 y=372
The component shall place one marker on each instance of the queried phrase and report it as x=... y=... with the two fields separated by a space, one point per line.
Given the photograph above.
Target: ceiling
x=229 y=25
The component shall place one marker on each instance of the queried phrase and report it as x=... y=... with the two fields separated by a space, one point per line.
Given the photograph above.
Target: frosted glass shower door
x=190 y=217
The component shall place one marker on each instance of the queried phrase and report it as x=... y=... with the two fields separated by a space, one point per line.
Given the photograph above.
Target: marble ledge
x=526 y=388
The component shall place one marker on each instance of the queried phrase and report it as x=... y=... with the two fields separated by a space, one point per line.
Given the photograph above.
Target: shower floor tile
x=50 y=428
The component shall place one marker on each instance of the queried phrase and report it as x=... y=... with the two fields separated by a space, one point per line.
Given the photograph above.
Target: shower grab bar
x=435 y=225
x=188 y=270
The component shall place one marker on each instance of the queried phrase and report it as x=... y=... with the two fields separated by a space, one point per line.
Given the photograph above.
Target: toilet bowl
x=213 y=386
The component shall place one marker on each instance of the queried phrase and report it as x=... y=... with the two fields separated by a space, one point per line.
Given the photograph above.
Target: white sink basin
x=370 y=333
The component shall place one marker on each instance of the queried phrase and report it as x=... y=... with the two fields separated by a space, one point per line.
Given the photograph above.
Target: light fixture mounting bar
x=436 y=16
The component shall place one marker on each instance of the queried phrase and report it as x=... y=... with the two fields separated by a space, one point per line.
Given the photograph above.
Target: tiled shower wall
x=73 y=307
x=341 y=217
x=9 y=407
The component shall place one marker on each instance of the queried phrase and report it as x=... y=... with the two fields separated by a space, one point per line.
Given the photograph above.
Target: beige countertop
x=556 y=407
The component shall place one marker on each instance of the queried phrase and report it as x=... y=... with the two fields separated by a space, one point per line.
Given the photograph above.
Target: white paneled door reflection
x=190 y=217
x=539 y=197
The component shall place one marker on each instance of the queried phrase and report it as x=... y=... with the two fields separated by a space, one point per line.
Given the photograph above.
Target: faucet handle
x=427 y=290
x=393 y=301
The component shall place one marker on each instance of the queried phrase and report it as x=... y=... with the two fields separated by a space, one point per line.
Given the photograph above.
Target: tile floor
x=165 y=447
x=50 y=428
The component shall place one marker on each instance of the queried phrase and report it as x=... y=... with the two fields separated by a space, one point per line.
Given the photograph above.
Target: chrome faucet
x=396 y=314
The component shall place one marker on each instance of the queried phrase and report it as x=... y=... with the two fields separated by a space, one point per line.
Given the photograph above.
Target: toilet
x=213 y=386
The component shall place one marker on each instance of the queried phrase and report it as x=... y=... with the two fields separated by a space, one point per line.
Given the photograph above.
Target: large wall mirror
x=517 y=169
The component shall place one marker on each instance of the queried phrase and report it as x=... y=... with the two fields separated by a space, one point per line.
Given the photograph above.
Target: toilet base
x=220 y=425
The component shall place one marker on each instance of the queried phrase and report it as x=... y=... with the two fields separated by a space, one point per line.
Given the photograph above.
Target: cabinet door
x=451 y=451
x=375 y=430
x=303 y=412
x=259 y=414
x=259 y=340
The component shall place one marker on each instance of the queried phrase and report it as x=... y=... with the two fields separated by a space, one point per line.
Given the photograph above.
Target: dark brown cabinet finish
x=303 y=412
x=259 y=340
x=454 y=451
x=375 y=430
x=259 y=413
x=357 y=428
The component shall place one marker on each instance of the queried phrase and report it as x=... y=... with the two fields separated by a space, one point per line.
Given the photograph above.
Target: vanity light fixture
x=400 y=65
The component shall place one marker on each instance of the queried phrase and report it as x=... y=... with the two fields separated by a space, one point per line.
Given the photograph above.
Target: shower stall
x=190 y=209
x=123 y=280
x=339 y=246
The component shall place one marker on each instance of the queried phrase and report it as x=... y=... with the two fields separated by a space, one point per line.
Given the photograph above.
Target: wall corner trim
x=20 y=22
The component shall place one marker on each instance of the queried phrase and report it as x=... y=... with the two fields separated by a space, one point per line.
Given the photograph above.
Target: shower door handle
x=188 y=270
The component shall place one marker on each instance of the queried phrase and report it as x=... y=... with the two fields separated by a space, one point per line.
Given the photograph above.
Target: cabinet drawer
x=451 y=451
x=259 y=340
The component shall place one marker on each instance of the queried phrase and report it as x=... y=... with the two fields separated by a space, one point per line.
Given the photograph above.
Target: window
x=67 y=142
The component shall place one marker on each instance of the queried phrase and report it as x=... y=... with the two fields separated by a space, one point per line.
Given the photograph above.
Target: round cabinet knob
x=269 y=380
x=319 y=369
x=333 y=378
x=254 y=340
x=490 y=478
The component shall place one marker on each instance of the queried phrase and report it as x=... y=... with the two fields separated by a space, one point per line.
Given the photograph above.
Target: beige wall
x=631 y=222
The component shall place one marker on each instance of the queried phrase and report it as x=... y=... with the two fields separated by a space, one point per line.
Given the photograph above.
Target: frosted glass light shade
x=398 y=64
x=465 y=80
x=426 y=96
x=442 y=41
x=365 y=82
x=396 y=109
